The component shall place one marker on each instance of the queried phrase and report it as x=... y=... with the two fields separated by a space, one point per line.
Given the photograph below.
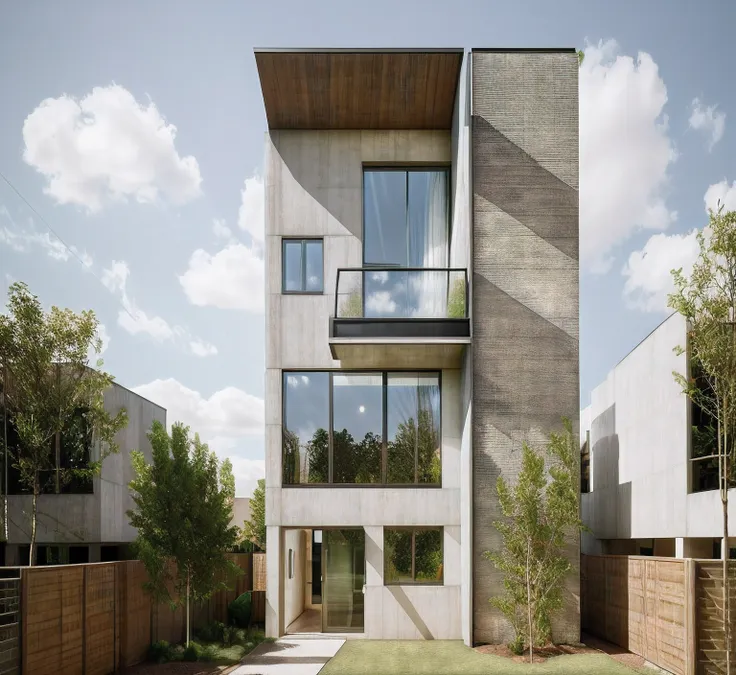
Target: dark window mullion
x=329 y=432
x=384 y=431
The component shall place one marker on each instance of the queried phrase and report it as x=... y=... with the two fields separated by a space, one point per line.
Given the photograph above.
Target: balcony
x=412 y=317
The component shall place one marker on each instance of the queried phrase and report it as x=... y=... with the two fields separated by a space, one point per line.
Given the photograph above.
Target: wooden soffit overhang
x=359 y=89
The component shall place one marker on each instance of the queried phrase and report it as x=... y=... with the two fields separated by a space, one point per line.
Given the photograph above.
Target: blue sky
x=168 y=224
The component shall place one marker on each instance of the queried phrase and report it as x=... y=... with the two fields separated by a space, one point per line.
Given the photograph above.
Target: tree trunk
x=187 y=608
x=34 y=515
x=725 y=555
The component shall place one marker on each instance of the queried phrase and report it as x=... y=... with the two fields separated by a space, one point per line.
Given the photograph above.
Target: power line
x=64 y=244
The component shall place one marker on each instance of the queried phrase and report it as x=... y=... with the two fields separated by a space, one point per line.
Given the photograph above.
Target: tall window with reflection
x=357 y=434
x=413 y=438
x=361 y=428
x=406 y=225
x=305 y=430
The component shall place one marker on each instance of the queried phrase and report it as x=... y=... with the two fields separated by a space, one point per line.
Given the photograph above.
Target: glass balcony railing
x=401 y=293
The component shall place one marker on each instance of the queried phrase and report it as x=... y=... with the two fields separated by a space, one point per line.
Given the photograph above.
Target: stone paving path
x=289 y=656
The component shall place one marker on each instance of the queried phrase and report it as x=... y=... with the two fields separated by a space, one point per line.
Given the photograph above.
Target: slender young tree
x=183 y=514
x=254 y=529
x=541 y=514
x=50 y=390
x=707 y=301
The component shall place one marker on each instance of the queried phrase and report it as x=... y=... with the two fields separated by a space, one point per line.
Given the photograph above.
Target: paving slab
x=289 y=656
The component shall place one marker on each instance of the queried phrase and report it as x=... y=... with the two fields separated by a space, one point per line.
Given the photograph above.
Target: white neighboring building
x=643 y=493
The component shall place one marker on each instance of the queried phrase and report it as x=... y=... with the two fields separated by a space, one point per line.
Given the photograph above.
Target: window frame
x=384 y=428
x=414 y=529
x=405 y=168
x=303 y=241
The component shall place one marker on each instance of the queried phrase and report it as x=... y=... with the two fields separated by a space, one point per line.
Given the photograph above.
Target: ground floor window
x=412 y=555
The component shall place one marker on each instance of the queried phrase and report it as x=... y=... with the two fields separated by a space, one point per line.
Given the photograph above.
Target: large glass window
x=413 y=410
x=412 y=555
x=405 y=217
x=302 y=264
x=361 y=428
x=357 y=436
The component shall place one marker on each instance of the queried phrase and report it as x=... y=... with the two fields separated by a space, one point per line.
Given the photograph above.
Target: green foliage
x=517 y=645
x=211 y=632
x=541 y=513
x=160 y=652
x=456 y=300
x=581 y=56
x=192 y=652
x=239 y=610
x=352 y=307
x=254 y=530
x=210 y=654
x=50 y=389
x=183 y=511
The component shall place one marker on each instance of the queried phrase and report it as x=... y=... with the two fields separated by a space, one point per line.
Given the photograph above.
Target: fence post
x=691 y=636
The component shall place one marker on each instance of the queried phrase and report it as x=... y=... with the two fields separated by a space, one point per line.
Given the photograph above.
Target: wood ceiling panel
x=359 y=90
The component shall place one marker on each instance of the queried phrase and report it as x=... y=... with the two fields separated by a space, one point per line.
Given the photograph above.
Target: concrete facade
x=91 y=519
x=522 y=270
x=525 y=290
x=638 y=423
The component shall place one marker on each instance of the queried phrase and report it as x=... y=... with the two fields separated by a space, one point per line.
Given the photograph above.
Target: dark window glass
x=412 y=556
x=413 y=408
x=75 y=447
x=78 y=555
x=306 y=424
x=302 y=266
x=357 y=427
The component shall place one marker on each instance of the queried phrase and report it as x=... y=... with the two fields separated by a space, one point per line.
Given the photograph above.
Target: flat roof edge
x=538 y=50
x=358 y=50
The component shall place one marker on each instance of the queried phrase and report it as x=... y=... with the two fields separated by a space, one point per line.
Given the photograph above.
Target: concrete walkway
x=289 y=656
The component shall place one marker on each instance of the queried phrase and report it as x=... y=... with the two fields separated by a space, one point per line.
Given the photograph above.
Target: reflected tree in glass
x=318 y=456
x=291 y=458
x=428 y=555
x=397 y=556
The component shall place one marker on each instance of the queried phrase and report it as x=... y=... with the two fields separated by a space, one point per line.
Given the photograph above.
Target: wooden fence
x=95 y=618
x=667 y=610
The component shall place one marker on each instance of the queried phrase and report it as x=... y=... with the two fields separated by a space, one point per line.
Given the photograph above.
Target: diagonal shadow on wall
x=515 y=182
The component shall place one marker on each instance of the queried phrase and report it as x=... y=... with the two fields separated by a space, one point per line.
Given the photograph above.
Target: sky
x=136 y=133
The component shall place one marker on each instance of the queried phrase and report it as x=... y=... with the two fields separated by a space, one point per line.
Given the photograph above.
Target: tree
x=49 y=389
x=541 y=512
x=254 y=530
x=184 y=507
x=707 y=301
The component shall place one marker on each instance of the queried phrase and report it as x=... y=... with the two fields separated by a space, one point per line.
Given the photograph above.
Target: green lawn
x=445 y=657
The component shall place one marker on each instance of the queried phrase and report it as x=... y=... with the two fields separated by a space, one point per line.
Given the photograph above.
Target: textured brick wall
x=525 y=290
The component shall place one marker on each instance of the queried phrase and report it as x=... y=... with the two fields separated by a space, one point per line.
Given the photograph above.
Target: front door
x=343 y=580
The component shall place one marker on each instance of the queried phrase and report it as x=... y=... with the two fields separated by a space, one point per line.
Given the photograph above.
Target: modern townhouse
x=649 y=482
x=422 y=322
x=82 y=521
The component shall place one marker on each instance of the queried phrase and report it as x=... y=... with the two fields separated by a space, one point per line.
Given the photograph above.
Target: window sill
x=369 y=486
x=302 y=292
x=415 y=584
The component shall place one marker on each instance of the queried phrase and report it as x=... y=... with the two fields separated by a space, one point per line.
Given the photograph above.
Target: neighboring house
x=646 y=488
x=241 y=511
x=85 y=521
x=422 y=321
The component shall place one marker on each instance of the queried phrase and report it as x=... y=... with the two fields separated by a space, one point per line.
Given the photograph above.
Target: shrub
x=211 y=632
x=160 y=652
x=517 y=645
x=209 y=654
x=192 y=652
x=239 y=610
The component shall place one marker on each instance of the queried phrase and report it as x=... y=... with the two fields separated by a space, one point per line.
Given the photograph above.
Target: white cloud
x=648 y=272
x=229 y=279
x=252 y=213
x=381 y=303
x=709 y=120
x=229 y=413
x=221 y=230
x=107 y=147
x=135 y=321
x=625 y=151
x=201 y=348
x=23 y=239
x=721 y=192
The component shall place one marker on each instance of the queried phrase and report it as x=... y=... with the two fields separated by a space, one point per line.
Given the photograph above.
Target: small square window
x=302 y=265
x=412 y=555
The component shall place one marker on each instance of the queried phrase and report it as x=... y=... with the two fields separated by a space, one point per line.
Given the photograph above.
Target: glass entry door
x=343 y=580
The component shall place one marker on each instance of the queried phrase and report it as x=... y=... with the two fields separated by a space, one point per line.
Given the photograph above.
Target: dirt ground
x=590 y=645
x=176 y=668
